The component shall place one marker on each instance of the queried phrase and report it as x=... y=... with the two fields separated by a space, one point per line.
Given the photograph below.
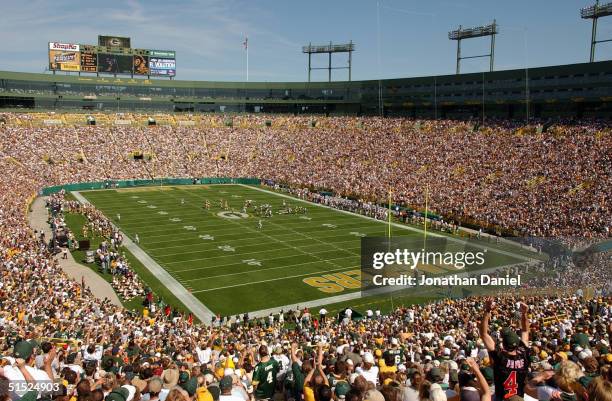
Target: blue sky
x=208 y=34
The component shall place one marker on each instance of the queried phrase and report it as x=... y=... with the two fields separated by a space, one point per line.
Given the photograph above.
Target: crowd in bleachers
x=548 y=184
x=545 y=347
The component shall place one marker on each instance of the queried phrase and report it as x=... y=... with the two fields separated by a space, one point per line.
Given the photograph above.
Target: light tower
x=476 y=32
x=311 y=49
x=594 y=12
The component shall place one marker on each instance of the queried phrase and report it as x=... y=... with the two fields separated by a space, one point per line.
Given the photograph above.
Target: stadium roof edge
x=126 y=80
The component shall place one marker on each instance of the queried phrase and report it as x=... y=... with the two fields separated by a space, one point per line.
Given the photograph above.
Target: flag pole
x=246 y=41
x=389 y=213
x=425 y=219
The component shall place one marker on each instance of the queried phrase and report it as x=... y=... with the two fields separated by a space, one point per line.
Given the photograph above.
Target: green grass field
x=229 y=264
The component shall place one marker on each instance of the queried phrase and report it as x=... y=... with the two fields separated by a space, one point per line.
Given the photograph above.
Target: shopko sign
x=63 y=46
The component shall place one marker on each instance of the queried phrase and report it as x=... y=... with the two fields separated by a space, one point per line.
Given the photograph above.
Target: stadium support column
x=593 y=38
x=458 y=54
x=595 y=12
x=330 y=67
x=309 y=62
x=350 y=59
x=492 y=58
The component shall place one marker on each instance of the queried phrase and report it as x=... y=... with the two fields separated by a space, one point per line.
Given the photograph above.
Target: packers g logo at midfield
x=232 y=215
x=335 y=282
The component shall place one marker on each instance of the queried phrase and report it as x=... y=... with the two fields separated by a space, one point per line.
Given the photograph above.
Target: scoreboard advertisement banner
x=113 y=41
x=113 y=55
x=89 y=61
x=162 y=66
x=64 y=57
x=114 y=63
x=141 y=65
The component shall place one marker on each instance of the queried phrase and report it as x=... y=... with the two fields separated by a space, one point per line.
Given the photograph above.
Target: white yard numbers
x=134 y=197
x=226 y=248
x=189 y=228
x=328 y=225
x=356 y=234
x=142 y=201
x=232 y=215
x=305 y=218
x=252 y=262
x=175 y=219
x=207 y=237
x=152 y=207
x=162 y=212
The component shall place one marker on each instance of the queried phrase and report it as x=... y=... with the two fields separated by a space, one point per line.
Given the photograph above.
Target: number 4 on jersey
x=510 y=385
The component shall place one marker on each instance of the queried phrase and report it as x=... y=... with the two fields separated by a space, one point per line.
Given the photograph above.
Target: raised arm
x=524 y=323
x=484 y=326
x=320 y=365
x=485 y=394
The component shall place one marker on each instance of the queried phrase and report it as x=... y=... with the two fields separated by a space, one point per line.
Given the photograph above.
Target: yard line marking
x=166 y=227
x=186 y=297
x=192 y=242
x=313 y=254
x=402 y=226
x=238 y=223
x=261 y=270
x=240 y=244
x=274 y=279
x=263 y=260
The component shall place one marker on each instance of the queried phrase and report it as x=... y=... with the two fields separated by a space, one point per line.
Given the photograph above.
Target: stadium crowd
x=546 y=184
x=546 y=347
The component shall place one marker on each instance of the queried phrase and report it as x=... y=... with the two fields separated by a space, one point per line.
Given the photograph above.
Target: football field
x=230 y=264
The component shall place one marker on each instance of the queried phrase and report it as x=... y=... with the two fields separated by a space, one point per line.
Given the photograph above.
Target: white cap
x=131 y=389
x=401 y=367
x=436 y=363
x=394 y=341
x=368 y=357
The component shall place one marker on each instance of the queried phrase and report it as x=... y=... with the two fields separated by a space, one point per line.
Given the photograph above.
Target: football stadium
x=356 y=234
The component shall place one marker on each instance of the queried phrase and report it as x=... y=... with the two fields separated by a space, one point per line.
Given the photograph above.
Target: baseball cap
x=23 y=349
x=120 y=394
x=435 y=374
x=131 y=391
x=509 y=338
x=215 y=391
x=226 y=382
x=368 y=357
x=342 y=388
x=190 y=386
x=183 y=377
x=487 y=373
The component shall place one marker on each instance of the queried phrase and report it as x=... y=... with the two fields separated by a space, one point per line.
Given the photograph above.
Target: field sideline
x=229 y=264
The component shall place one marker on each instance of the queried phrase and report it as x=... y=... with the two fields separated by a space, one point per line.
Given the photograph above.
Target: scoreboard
x=112 y=55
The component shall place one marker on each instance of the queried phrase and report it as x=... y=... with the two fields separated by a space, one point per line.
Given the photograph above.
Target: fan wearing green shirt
x=264 y=376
